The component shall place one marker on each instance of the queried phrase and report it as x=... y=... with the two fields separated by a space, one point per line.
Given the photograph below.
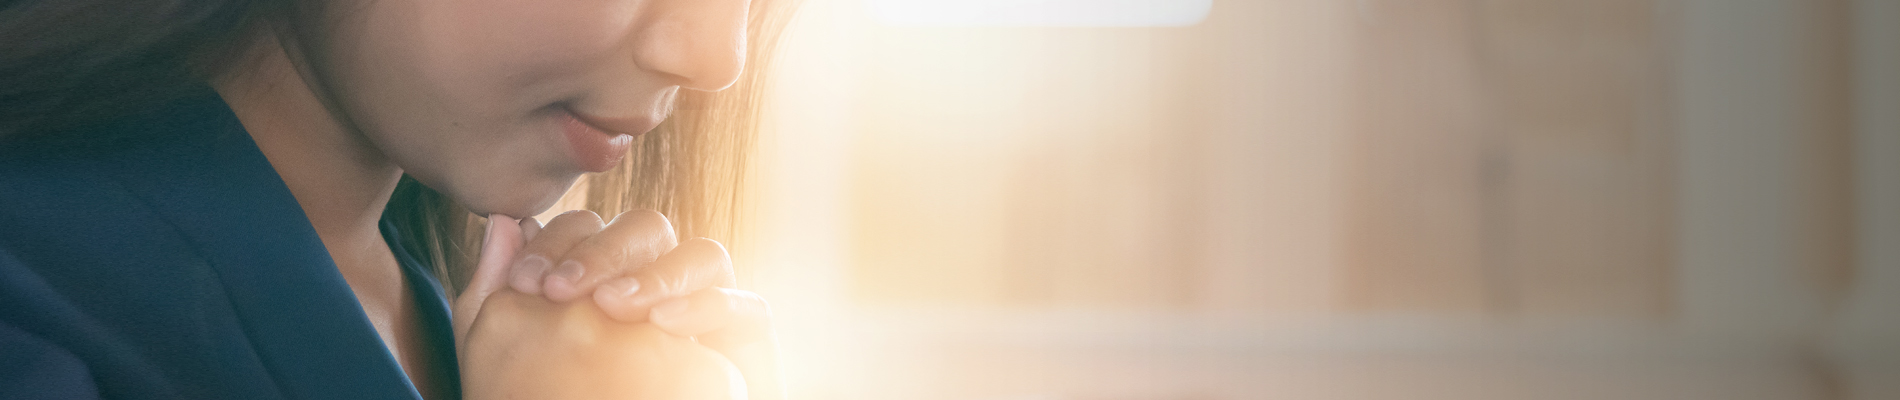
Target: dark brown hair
x=67 y=64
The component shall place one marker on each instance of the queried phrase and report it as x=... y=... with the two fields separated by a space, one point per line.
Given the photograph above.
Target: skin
x=566 y=347
x=634 y=269
x=471 y=97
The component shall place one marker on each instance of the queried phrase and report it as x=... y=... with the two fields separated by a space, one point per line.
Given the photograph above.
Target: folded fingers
x=630 y=242
x=694 y=265
x=550 y=243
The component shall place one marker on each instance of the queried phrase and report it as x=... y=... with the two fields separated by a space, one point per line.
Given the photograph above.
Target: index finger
x=537 y=257
x=499 y=245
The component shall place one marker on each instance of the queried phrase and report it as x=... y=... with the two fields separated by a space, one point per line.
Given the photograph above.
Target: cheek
x=531 y=45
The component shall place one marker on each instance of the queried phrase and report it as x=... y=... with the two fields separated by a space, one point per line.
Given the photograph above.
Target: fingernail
x=527 y=277
x=566 y=277
x=669 y=310
x=492 y=246
x=488 y=235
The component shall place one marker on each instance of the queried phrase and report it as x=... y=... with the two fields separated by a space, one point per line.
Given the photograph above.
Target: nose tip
x=700 y=44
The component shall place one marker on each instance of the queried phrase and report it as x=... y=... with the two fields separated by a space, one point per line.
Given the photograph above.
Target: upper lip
x=620 y=126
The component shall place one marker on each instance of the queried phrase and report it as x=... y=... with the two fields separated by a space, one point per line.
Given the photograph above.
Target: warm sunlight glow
x=1306 y=199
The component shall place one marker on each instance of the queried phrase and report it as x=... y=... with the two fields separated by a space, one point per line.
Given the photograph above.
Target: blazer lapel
x=214 y=185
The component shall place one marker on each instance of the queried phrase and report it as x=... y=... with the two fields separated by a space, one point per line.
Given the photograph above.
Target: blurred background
x=1333 y=199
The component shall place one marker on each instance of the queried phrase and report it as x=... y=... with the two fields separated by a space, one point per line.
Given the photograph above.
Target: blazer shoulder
x=39 y=369
x=98 y=245
x=55 y=350
x=99 y=277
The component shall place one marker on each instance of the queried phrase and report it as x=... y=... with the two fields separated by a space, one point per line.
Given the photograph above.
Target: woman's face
x=501 y=104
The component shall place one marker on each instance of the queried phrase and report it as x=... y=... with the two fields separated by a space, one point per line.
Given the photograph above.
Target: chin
x=515 y=201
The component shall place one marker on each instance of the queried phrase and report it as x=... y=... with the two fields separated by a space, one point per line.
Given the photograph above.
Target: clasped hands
x=582 y=309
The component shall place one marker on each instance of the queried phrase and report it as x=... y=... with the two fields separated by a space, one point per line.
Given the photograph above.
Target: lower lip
x=594 y=150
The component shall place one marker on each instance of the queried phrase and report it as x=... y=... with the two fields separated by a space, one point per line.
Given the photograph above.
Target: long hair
x=65 y=64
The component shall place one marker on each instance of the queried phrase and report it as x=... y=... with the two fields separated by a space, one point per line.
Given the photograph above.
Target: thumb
x=499 y=244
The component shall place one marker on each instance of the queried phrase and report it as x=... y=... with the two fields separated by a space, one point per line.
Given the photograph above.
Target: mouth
x=597 y=144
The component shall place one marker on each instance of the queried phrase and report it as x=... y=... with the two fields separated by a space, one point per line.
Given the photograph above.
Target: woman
x=268 y=199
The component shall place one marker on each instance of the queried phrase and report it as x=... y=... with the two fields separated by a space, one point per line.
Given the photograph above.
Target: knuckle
x=704 y=247
x=644 y=230
x=589 y=252
x=642 y=217
x=708 y=242
x=563 y=232
x=646 y=227
x=573 y=219
x=707 y=262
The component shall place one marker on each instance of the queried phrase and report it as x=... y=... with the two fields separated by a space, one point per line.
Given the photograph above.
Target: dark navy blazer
x=172 y=262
